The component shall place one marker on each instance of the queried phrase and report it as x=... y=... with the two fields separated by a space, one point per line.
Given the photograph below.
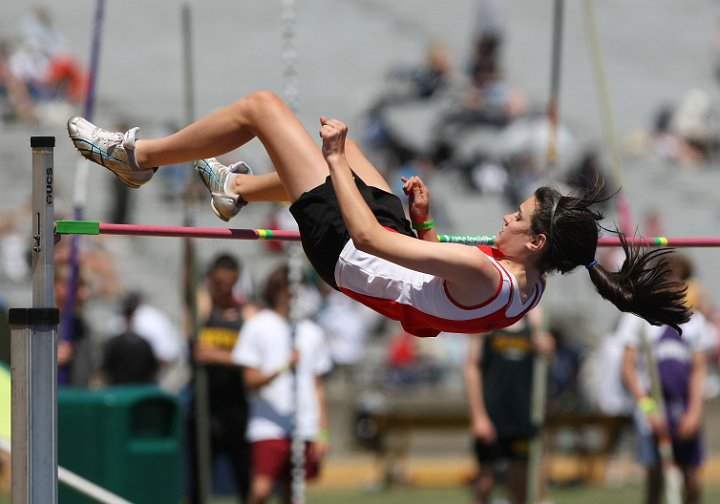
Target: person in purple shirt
x=682 y=367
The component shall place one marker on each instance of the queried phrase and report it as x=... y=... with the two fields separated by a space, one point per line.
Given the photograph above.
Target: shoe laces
x=128 y=139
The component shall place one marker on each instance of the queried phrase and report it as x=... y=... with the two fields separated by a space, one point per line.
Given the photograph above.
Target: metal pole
x=201 y=399
x=541 y=363
x=555 y=73
x=672 y=478
x=34 y=352
x=537 y=416
x=80 y=195
x=621 y=203
x=188 y=67
x=295 y=263
x=295 y=273
x=43 y=250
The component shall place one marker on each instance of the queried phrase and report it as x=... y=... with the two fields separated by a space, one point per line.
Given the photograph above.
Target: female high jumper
x=355 y=233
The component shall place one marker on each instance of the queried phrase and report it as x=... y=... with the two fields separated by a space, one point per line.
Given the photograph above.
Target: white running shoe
x=214 y=174
x=113 y=150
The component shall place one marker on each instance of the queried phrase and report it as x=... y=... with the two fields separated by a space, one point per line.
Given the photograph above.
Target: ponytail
x=643 y=285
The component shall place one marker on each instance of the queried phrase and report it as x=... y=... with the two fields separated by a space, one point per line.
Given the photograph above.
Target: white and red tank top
x=421 y=302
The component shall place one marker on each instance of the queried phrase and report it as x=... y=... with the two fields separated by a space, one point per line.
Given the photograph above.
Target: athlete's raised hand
x=419 y=198
x=333 y=133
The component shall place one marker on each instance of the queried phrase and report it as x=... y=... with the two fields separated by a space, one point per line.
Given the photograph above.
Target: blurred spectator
x=601 y=379
x=346 y=324
x=491 y=18
x=696 y=296
x=563 y=393
x=128 y=358
x=487 y=101
x=407 y=365
x=95 y=279
x=76 y=355
x=222 y=316
x=149 y=322
x=418 y=82
x=272 y=360
x=681 y=367
x=493 y=100
x=423 y=83
x=694 y=124
x=498 y=377
x=14 y=91
x=100 y=274
x=700 y=301
x=684 y=134
x=14 y=249
x=44 y=61
x=484 y=62
x=524 y=145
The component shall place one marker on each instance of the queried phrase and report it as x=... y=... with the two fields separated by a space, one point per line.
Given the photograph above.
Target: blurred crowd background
x=456 y=92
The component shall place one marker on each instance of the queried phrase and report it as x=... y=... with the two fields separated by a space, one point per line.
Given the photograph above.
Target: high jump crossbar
x=73 y=227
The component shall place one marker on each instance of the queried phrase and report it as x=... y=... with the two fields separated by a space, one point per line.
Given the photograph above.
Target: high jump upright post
x=34 y=351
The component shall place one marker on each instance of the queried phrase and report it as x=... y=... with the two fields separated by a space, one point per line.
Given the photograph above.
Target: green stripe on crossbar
x=74 y=227
x=467 y=239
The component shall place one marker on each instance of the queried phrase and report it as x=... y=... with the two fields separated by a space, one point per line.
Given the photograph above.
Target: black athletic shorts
x=323 y=231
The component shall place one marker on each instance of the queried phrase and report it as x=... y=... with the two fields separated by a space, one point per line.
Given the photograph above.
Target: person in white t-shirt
x=271 y=359
x=150 y=323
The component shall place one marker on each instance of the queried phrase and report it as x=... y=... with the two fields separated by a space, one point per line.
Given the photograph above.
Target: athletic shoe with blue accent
x=214 y=174
x=113 y=150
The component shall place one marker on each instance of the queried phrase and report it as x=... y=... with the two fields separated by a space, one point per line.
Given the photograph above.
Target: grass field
x=584 y=495
x=574 y=495
x=579 y=494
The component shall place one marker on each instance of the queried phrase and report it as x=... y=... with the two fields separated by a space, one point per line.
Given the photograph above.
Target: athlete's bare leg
x=269 y=188
x=297 y=158
x=364 y=168
x=266 y=187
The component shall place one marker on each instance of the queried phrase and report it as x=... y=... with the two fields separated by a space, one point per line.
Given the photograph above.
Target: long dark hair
x=643 y=285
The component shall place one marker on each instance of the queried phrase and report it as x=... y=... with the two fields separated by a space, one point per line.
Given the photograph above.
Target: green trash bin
x=124 y=439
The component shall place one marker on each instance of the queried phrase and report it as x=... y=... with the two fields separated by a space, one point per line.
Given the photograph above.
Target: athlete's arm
x=481 y=425
x=419 y=203
x=654 y=418
x=543 y=342
x=690 y=422
x=254 y=378
x=472 y=278
x=321 y=445
x=629 y=373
